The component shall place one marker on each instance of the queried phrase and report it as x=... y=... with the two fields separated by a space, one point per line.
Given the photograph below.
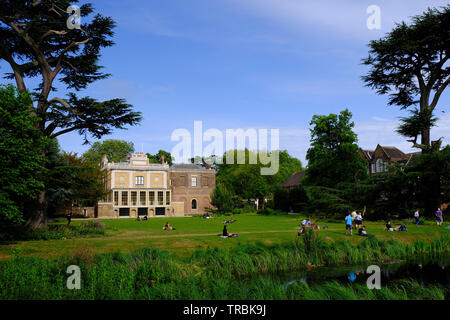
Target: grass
x=191 y=234
x=139 y=260
x=215 y=273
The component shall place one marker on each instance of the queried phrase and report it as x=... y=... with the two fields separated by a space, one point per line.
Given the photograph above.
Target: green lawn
x=193 y=233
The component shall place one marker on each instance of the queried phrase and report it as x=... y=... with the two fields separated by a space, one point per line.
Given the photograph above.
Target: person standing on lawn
x=358 y=220
x=354 y=214
x=416 y=216
x=439 y=217
x=348 y=223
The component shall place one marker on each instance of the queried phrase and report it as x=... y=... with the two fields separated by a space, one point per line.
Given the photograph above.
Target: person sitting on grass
x=362 y=232
x=390 y=228
x=167 y=226
x=225 y=231
x=229 y=221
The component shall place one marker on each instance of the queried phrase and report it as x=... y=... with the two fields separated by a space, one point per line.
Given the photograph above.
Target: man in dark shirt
x=225 y=231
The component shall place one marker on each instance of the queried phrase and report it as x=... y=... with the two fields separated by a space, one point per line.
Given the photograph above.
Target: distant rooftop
x=187 y=166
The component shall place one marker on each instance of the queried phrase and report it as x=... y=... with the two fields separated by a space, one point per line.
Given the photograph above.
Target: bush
x=53 y=232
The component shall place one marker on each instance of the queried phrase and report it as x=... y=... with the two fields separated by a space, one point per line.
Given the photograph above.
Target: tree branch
x=49 y=32
x=438 y=93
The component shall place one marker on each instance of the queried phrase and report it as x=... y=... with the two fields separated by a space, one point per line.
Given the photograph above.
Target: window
x=139 y=180
x=194 y=182
x=124 y=212
x=116 y=198
x=151 y=197
x=373 y=168
x=194 y=204
x=380 y=165
x=160 y=197
x=133 y=198
x=167 y=197
x=142 y=198
x=124 y=198
x=386 y=166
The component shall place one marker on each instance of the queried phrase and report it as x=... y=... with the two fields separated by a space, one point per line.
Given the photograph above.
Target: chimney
x=162 y=159
x=208 y=164
x=104 y=160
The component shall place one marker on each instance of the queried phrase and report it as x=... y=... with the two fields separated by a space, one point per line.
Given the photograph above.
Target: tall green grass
x=236 y=273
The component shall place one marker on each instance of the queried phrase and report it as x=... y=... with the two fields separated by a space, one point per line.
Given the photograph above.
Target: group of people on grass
x=354 y=221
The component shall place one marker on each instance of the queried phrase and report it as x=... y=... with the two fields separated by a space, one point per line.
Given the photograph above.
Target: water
x=425 y=270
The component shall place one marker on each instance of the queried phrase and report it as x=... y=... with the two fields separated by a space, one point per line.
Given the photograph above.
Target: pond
x=425 y=270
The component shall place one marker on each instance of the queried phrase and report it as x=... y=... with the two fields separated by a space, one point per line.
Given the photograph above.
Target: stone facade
x=139 y=188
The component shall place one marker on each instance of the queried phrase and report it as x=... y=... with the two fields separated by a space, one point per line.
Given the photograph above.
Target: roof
x=294 y=180
x=394 y=153
x=187 y=166
x=368 y=154
x=128 y=166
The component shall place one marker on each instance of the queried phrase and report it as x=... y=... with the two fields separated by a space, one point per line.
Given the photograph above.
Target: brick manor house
x=378 y=162
x=139 y=188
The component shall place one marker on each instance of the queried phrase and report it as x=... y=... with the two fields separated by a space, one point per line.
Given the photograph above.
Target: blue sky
x=248 y=64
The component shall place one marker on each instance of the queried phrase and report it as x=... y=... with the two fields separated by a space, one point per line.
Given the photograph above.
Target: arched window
x=194 y=204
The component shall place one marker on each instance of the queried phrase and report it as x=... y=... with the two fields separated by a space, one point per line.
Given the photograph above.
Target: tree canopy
x=115 y=150
x=35 y=42
x=410 y=65
x=333 y=156
x=21 y=161
x=246 y=181
x=156 y=158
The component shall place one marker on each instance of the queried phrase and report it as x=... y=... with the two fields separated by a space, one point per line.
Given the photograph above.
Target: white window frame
x=139 y=180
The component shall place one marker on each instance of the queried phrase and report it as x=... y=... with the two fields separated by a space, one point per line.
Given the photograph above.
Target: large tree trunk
x=425 y=139
x=38 y=213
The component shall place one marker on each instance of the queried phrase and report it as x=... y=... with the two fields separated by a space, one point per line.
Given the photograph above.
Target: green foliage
x=424 y=183
x=21 y=155
x=69 y=56
x=413 y=126
x=410 y=65
x=115 y=150
x=222 y=198
x=246 y=181
x=71 y=180
x=156 y=158
x=243 y=272
x=333 y=156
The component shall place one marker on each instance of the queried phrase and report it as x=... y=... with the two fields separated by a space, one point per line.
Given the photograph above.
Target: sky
x=248 y=64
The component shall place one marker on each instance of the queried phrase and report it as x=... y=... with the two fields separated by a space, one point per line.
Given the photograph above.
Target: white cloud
x=370 y=133
x=347 y=18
